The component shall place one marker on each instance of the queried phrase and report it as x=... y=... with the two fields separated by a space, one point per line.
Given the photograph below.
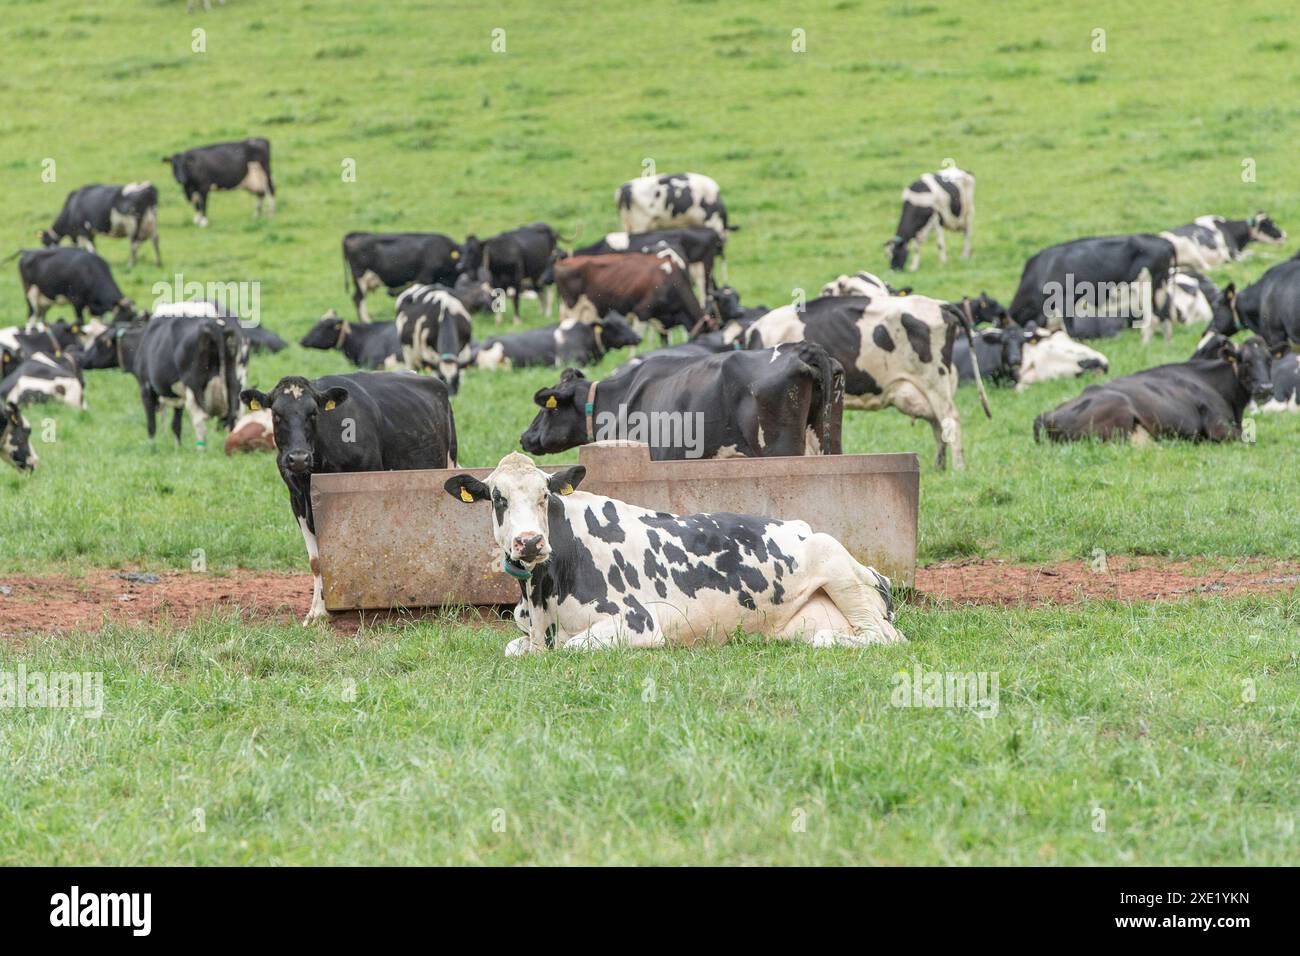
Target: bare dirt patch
x=60 y=603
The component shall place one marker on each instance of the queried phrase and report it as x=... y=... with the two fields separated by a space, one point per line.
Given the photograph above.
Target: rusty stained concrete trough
x=392 y=539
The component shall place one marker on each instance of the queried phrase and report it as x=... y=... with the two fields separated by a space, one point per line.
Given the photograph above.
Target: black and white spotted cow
x=933 y=203
x=373 y=345
x=1212 y=241
x=17 y=344
x=1269 y=307
x=245 y=164
x=693 y=248
x=598 y=573
x=517 y=260
x=861 y=283
x=362 y=421
x=123 y=212
x=393 y=261
x=1124 y=277
x=74 y=276
x=672 y=200
x=16 y=439
x=434 y=329
x=734 y=404
x=1024 y=357
x=895 y=351
x=1194 y=296
x=567 y=343
x=43 y=378
x=189 y=363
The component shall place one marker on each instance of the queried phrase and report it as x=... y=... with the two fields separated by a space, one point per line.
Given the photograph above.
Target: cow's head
x=984 y=308
x=897 y=249
x=328 y=333
x=296 y=412
x=1252 y=361
x=48 y=237
x=613 y=332
x=522 y=497
x=562 y=421
x=125 y=311
x=1011 y=343
x=16 y=439
x=1049 y=355
x=1264 y=229
x=177 y=163
x=1225 y=320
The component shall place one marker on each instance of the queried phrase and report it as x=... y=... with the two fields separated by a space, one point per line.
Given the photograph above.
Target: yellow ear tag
x=466 y=497
x=330 y=405
x=567 y=490
x=254 y=406
x=455 y=254
x=551 y=402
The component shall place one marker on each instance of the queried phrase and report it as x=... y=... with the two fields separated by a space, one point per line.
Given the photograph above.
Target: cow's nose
x=528 y=545
x=297 y=460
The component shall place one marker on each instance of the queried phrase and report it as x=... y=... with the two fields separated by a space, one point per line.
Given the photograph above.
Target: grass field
x=1136 y=708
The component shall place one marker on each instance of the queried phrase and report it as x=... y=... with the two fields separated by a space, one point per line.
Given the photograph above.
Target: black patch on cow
x=954 y=195
x=616 y=579
x=629 y=570
x=880 y=336
x=637 y=617
x=918 y=336
x=609 y=532
x=946 y=353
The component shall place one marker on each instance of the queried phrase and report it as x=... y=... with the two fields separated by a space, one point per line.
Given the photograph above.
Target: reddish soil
x=60 y=603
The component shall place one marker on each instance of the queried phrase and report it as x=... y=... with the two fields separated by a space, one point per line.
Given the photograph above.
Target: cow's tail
x=1038 y=428
x=968 y=326
x=817 y=358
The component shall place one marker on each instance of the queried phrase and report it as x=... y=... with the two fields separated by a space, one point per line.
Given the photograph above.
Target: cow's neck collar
x=515 y=570
x=343 y=334
x=589 y=409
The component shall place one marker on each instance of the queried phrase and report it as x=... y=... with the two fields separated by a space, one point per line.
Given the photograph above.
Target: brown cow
x=643 y=288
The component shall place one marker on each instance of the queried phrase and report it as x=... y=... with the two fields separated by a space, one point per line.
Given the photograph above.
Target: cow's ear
x=563 y=482
x=1229 y=291
x=332 y=398
x=550 y=398
x=255 y=400
x=467 y=488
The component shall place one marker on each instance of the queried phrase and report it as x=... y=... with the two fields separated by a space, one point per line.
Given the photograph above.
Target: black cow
x=362 y=421
x=1111 y=276
x=1270 y=307
x=726 y=301
x=393 y=261
x=998 y=352
x=17 y=344
x=1201 y=399
x=81 y=279
x=16 y=439
x=372 y=346
x=129 y=211
x=518 y=259
x=787 y=401
x=191 y=364
x=1286 y=384
x=568 y=343
x=695 y=248
x=114 y=347
x=245 y=164
x=262 y=339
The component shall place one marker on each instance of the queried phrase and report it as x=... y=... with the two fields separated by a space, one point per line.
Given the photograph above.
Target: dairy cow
x=44 y=378
x=933 y=203
x=1270 y=307
x=671 y=200
x=434 y=330
x=1194 y=296
x=693 y=248
x=16 y=439
x=373 y=345
x=245 y=164
x=394 y=261
x=596 y=572
x=568 y=343
x=638 y=286
x=1211 y=241
x=129 y=211
x=74 y=276
x=516 y=260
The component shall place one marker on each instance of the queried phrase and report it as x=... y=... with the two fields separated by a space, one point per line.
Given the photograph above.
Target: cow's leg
x=943 y=245
x=200 y=200
x=135 y=244
x=613 y=632
x=858 y=592
x=176 y=424
x=317 y=611
x=967 y=230
x=359 y=301
x=943 y=417
x=697 y=274
x=198 y=418
x=85 y=242
x=157 y=249
x=150 y=402
x=548 y=299
x=916 y=255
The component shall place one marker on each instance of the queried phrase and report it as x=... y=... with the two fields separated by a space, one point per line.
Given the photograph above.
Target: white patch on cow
x=492 y=357
x=1056 y=355
x=198 y=417
x=617 y=241
x=368 y=282
x=863 y=283
x=121 y=224
x=729 y=451
x=1141 y=438
x=295 y=390
x=1190 y=302
x=317 y=611
x=812 y=443
x=65 y=389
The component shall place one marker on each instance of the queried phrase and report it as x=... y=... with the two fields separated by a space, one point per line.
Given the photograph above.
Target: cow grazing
x=394 y=261
x=1194 y=296
x=245 y=164
x=895 y=351
x=1212 y=241
x=1201 y=399
x=79 y=278
x=1270 y=307
x=1050 y=355
x=516 y=260
x=568 y=343
x=190 y=364
x=129 y=211
x=362 y=421
x=16 y=439
x=434 y=329
x=671 y=200
x=597 y=573
x=43 y=378
x=641 y=287
x=254 y=431
x=370 y=346
x=1108 y=276
x=693 y=248
x=730 y=405
x=933 y=203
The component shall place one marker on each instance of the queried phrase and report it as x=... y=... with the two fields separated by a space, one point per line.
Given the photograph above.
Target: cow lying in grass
x=599 y=573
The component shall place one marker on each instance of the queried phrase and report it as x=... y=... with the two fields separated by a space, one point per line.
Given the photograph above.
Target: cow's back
x=399 y=421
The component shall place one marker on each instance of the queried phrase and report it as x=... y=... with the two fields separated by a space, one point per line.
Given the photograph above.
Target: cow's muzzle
x=529 y=549
x=1092 y=364
x=298 y=462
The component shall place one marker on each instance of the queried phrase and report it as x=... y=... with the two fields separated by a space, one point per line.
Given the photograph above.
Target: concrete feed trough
x=395 y=539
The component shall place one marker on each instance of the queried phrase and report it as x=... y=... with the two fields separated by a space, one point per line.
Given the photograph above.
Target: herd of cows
x=763 y=381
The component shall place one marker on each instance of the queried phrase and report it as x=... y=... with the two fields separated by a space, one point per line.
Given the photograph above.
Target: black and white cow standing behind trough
x=393 y=261
x=1212 y=241
x=362 y=421
x=733 y=404
x=43 y=378
x=598 y=573
x=123 y=212
x=16 y=439
x=895 y=351
x=568 y=343
x=81 y=279
x=245 y=164
x=434 y=329
x=935 y=202
x=672 y=200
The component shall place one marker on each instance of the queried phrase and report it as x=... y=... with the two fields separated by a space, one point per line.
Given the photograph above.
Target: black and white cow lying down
x=81 y=279
x=1201 y=399
x=1269 y=307
x=44 y=378
x=567 y=343
x=1286 y=385
x=935 y=202
x=16 y=439
x=895 y=351
x=1212 y=241
x=245 y=164
x=1024 y=357
x=362 y=421
x=1194 y=296
x=129 y=212
x=599 y=573
x=372 y=345
x=730 y=405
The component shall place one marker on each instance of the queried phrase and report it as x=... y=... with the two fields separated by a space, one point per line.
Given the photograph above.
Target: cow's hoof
x=520 y=646
x=316 y=617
